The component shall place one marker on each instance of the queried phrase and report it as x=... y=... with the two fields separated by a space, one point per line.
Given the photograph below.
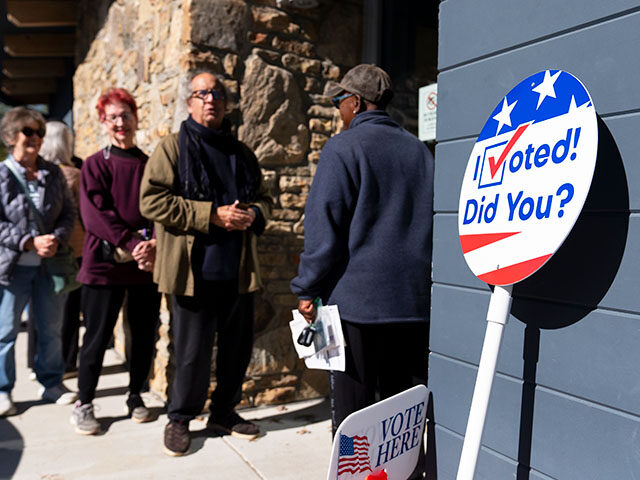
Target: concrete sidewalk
x=39 y=443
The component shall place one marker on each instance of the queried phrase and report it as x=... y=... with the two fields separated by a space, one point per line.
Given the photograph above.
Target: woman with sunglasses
x=23 y=246
x=117 y=259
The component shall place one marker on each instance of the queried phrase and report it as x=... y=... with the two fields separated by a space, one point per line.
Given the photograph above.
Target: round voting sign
x=528 y=177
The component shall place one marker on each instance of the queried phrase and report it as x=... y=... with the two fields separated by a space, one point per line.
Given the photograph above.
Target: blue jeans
x=31 y=283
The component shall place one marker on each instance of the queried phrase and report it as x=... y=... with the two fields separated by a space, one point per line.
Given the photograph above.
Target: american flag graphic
x=353 y=456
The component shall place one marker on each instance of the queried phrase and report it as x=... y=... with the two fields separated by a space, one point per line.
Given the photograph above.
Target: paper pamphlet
x=327 y=350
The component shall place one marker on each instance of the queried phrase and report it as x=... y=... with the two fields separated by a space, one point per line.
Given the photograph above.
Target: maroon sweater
x=109 y=206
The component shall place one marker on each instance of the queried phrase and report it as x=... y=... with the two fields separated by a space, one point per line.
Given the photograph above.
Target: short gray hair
x=57 y=146
x=220 y=80
x=15 y=120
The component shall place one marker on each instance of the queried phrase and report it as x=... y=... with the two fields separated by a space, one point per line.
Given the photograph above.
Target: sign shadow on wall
x=577 y=277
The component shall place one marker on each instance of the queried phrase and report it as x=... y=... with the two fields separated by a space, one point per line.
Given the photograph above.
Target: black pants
x=101 y=304
x=70 y=330
x=390 y=357
x=215 y=307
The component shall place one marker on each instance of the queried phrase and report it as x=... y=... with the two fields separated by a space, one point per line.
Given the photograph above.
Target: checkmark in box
x=490 y=175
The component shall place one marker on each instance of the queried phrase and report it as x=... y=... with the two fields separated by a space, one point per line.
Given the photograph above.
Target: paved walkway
x=40 y=444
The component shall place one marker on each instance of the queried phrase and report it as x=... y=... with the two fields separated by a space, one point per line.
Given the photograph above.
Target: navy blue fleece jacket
x=368 y=224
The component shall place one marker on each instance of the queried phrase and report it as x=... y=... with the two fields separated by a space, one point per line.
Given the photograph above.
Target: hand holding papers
x=326 y=351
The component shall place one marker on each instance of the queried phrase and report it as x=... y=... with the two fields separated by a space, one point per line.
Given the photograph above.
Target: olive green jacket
x=177 y=219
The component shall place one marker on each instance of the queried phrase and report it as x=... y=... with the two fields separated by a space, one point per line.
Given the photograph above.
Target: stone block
x=274 y=396
x=259 y=38
x=273 y=352
x=292 y=184
x=272 y=108
x=321 y=111
x=293 y=46
x=230 y=64
x=276 y=226
x=268 y=55
x=298 y=227
x=318 y=140
x=341 y=40
x=303 y=65
x=314 y=156
x=265 y=18
x=330 y=71
x=219 y=24
x=285 y=300
x=285 y=214
x=313 y=384
x=312 y=84
x=320 y=125
x=293 y=200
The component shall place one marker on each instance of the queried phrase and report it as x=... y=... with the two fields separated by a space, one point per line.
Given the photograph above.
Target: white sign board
x=427 y=107
x=386 y=436
x=528 y=177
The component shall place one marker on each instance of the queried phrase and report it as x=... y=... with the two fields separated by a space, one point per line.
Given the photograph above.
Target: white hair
x=57 y=146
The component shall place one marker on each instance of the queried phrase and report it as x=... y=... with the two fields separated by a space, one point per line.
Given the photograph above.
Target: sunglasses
x=202 y=94
x=336 y=100
x=28 y=131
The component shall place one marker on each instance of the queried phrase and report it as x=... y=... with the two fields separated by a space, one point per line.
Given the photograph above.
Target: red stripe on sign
x=472 y=242
x=514 y=273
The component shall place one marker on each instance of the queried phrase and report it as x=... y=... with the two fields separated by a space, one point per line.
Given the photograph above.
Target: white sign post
x=526 y=182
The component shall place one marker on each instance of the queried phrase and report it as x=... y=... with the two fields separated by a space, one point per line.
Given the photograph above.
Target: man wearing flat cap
x=367 y=246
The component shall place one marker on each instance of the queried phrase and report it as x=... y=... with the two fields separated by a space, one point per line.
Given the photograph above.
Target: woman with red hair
x=118 y=256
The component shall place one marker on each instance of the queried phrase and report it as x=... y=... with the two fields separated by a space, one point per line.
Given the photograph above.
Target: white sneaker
x=32 y=375
x=7 y=407
x=58 y=394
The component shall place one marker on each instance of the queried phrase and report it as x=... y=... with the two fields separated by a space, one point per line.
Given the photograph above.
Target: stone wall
x=276 y=61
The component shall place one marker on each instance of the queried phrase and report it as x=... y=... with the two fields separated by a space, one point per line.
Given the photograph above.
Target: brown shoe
x=176 y=438
x=234 y=425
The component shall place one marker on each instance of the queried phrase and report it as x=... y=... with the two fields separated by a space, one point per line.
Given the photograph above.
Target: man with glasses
x=367 y=244
x=204 y=190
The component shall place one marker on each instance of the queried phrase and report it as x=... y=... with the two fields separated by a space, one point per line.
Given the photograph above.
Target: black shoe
x=176 y=438
x=234 y=425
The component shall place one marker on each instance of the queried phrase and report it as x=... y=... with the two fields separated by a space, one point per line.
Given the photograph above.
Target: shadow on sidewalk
x=106 y=422
x=297 y=418
x=11 y=448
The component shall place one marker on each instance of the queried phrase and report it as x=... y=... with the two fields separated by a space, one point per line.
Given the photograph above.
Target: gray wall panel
x=571 y=438
x=590 y=358
x=574 y=331
x=603 y=57
x=511 y=23
x=448 y=263
x=576 y=439
x=451 y=161
x=490 y=466
x=452 y=385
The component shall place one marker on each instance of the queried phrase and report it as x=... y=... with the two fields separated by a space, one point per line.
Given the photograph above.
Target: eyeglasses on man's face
x=203 y=94
x=124 y=116
x=336 y=100
x=28 y=131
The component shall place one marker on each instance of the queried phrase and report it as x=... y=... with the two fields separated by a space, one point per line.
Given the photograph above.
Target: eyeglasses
x=336 y=100
x=124 y=116
x=203 y=94
x=28 y=131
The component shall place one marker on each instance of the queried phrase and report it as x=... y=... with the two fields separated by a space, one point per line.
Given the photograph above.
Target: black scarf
x=200 y=183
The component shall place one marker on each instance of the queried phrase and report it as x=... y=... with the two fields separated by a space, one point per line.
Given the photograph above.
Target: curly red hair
x=112 y=95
